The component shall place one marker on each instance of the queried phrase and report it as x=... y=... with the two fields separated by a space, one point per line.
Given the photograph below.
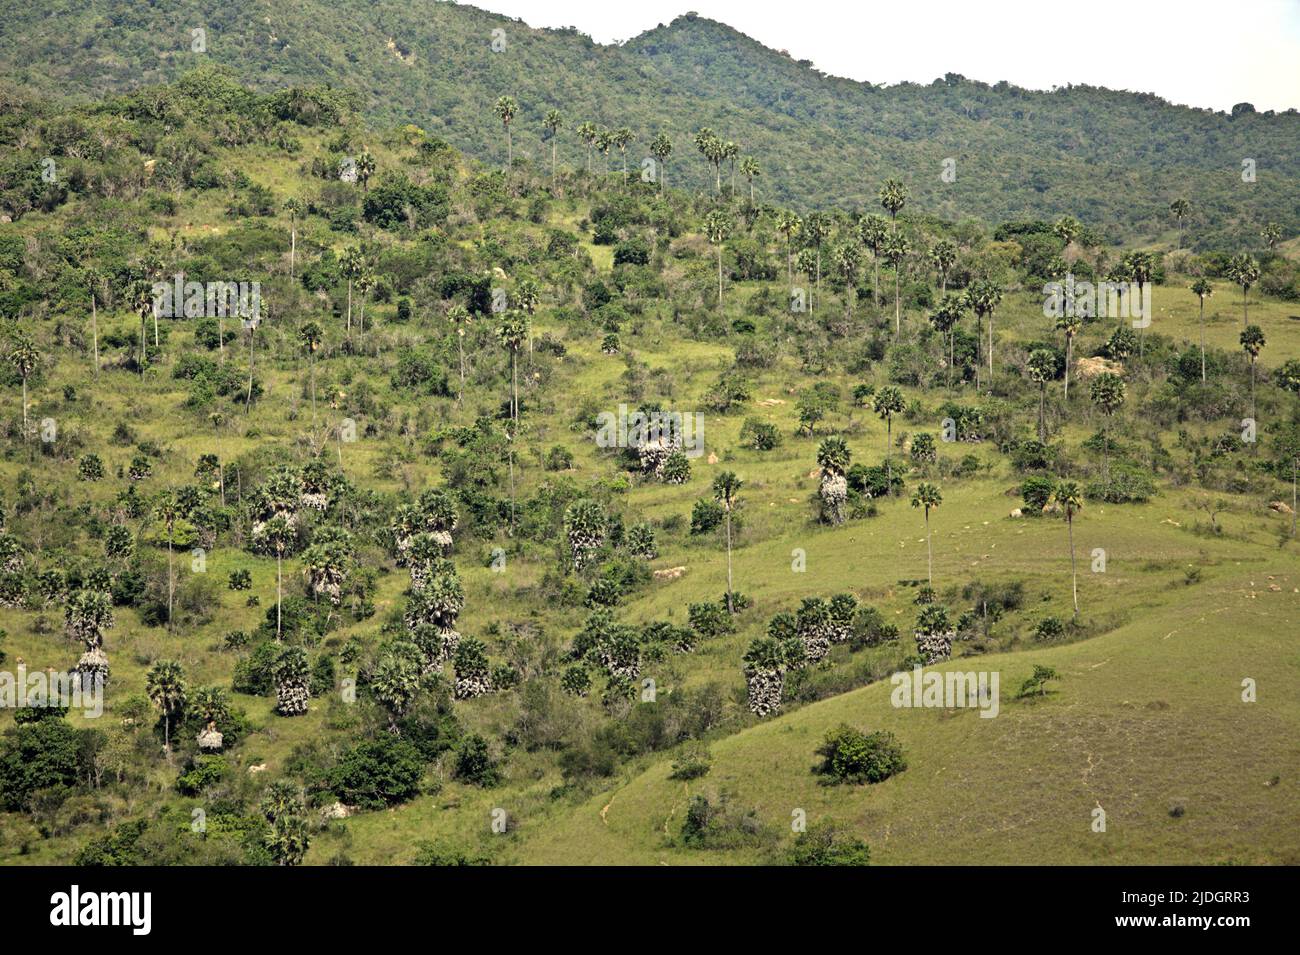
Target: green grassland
x=1147 y=713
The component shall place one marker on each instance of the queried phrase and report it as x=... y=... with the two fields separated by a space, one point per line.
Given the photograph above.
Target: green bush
x=851 y=756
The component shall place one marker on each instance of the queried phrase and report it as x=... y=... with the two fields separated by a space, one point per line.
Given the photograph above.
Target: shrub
x=474 y=763
x=851 y=756
x=378 y=773
x=693 y=762
x=823 y=845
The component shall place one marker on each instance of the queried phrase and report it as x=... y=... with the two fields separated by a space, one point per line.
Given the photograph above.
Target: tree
x=458 y=315
x=1181 y=209
x=750 y=170
x=167 y=511
x=1252 y=341
x=279 y=533
x=985 y=296
x=1244 y=271
x=717 y=226
x=713 y=150
x=621 y=138
x=587 y=133
x=166 y=687
x=365 y=169
x=396 y=683
x=872 y=232
x=352 y=264
x=817 y=227
x=731 y=152
x=1036 y=684
x=944 y=318
x=365 y=282
x=943 y=256
x=1272 y=235
x=1107 y=392
x=1139 y=265
x=726 y=490
x=1067 y=498
x=290 y=672
x=1202 y=289
x=140 y=297
x=789 y=225
x=888 y=402
x=893 y=196
x=896 y=251
x=661 y=147
x=505 y=108
x=310 y=337
x=295 y=208
x=24 y=357
x=833 y=458
x=584 y=525
x=604 y=139
x=847 y=256
x=287 y=838
x=1070 y=325
x=553 y=123
x=512 y=332
x=527 y=297
x=1067 y=229
x=927 y=496
x=1042 y=369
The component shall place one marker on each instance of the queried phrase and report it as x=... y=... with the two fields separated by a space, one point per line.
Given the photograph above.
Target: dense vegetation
x=361 y=552
x=1115 y=160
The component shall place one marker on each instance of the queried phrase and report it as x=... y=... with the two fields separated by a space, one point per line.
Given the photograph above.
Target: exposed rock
x=1280 y=506
x=1092 y=367
x=669 y=573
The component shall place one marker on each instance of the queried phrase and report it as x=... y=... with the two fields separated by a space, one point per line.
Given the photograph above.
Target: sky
x=1192 y=52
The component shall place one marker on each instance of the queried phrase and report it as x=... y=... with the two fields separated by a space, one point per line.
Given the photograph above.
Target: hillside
x=1113 y=159
x=375 y=543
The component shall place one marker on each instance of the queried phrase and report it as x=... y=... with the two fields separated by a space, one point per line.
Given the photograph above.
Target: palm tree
x=167 y=689
x=1107 y=392
x=927 y=496
x=944 y=318
x=943 y=255
x=817 y=228
x=95 y=279
x=1068 y=498
x=887 y=403
x=717 y=226
x=896 y=252
x=1070 y=324
x=1244 y=270
x=893 y=196
x=846 y=257
x=1139 y=266
x=1180 y=208
x=1042 y=369
x=621 y=138
x=661 y=147
x=1272 y=235
x=352 y=265
x=872 y=232
x=458 y=315
x=711 y=148
x=24 y=357
x=1067 y=229
x=833 y=458
x=505 y=108
x=140 y=297
x=731 y=152
x=604 y=139
x=749 y=169
x=789 y=225
x=365 y=169
x=280 y=533
x=1252 y=340
x=587 y=133
x=1202 y=289
x=985 y=296
x=726 y=488
x=310 y=337
x=552 y=123
x=527 y=297
x=512 y=332
x=294 y=207
x=365 y=282
x=167 y=511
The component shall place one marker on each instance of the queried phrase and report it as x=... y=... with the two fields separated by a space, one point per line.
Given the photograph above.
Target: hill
x=1113 y=159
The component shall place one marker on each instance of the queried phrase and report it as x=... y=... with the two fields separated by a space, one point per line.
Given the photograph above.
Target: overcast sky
x=1195 y=52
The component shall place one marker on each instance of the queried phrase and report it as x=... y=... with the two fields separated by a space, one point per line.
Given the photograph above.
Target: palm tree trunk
x=279 y=585
x=94 y=328
x=875 y=280
x=719 y=275
x=1245 y=310
x=552 y=156
x=248 y=403
x=929 y=554
x=990 y=349
x=898 y=316
x=293 y=245
x=1069 y=353
x=311 y=363
x=514 y=387
x=1042 y=425
x=1202 y=341
x=729 y=605
x=1074 y=570
x=221 y=336
x=171 y=580
x=510 y=148
x=460 y=344
x=24 y=409
x=349 y=309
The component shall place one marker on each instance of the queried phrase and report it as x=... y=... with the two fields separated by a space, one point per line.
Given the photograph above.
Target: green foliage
x=851 y=756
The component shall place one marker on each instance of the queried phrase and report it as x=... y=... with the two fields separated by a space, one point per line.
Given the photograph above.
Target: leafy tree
x=851 y=756
x=943 y=255
x=661 y=147
x=893 y=196
x=896 y=251
x=167 y=688
x=1070 y=325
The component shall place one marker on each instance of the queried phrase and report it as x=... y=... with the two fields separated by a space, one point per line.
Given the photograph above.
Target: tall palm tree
x=1070 y=325
x=621 y=138
x=943 y=255
x=872 y=232
x=726 y=490
x=294 y=207
x=711 y=148
x=731 y=152
x=750 y=170
x=846 y=257
x=887 y=403
x=661 y=147
x=506 y=107
x=365 y=282
x=1252 y=340
x=24 y=357
x=587 y=133
x=167 y=689
x=896 y=250
x=95 y=279
x=1042 y=369
x=527 y=298
x=310 y=337
x=818 y=228
x=167 y=511
x=893 y=196
x=717 y=226
x=1068 y=498
x=604 y=139
x=1202 y=289
x=1181 y=209
x=552 y=123
x=140 y=297
x=1244 y=270
x=789 y=225
x=1272 y=235
x=927 y=496
x=512 y=332
x=1140 y=265
x=458 y=315
x=352 y=264
x=985 y=296
x=944 y=318
x=365 y=169
x=1107 y=392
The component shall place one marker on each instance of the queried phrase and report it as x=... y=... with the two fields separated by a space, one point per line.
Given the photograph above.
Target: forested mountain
x=1113 y=159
